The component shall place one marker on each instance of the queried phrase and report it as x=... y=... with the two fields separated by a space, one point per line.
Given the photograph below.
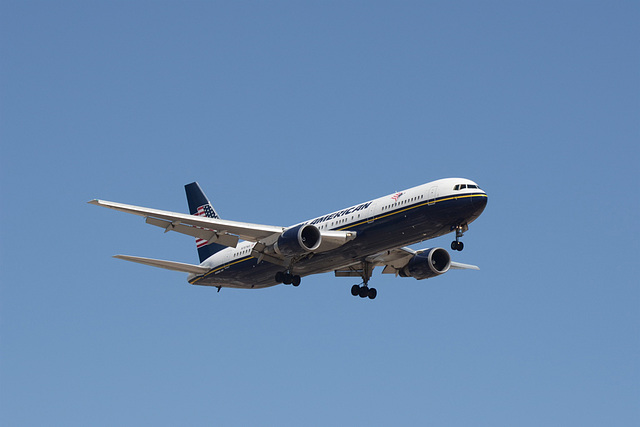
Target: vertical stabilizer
x=199 y=205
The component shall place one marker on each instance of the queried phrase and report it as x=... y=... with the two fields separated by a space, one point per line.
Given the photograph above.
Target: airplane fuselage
x=396 y=220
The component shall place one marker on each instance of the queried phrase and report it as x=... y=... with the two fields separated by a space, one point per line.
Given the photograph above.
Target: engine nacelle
x=298 y=240
x=428 y=263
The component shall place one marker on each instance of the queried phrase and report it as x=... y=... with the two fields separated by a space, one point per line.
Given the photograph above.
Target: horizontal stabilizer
x=169 y=265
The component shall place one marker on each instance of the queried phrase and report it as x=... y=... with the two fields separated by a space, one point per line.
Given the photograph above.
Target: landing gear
x=287 y=278
x=355 y=290
x=295 y=281
x=364 y=270
x=457 y=245
x=363 y=291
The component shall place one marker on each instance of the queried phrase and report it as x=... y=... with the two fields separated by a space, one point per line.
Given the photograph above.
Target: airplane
x=350 y=242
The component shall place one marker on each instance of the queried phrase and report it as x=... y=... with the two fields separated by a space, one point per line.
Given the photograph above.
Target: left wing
x=168 y=265
x=213 y=230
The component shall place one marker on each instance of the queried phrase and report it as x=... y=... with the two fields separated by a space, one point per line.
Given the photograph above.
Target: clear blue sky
x=287 y=110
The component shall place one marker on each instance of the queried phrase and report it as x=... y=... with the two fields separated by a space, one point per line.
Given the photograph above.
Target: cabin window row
x=338 y=222
x=403 y=202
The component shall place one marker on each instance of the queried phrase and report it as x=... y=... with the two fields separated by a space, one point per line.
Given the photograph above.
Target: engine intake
x=428 y=263
x=298 y=240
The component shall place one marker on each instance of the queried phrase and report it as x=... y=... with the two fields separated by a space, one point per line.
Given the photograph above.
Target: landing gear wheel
x=364 y=292
x=457 y=245
x=355 y=290
x=280 y=277
x=288 y=278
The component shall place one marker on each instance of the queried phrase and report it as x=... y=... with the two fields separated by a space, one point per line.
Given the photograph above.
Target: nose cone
x=480 y=202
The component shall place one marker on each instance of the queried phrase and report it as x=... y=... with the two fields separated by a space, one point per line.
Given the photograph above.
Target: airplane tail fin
x=199 y=205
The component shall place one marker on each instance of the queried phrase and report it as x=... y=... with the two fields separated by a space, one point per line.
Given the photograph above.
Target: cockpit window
x=463 y=186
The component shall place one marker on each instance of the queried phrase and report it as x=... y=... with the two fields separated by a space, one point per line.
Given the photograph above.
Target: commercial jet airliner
x=351 y=242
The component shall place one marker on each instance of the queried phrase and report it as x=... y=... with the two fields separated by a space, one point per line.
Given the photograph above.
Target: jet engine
x=428 y=263
x=298 y=240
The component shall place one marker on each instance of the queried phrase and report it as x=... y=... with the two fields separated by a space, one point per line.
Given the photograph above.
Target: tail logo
x=206 y=211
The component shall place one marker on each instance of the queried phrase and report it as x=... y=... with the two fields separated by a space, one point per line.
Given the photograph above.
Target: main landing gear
x=287 y=278
x=363 y=291
x=364 y=270
x=457 y=245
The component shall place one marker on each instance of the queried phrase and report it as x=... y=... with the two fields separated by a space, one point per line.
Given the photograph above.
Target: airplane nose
x=480 y=201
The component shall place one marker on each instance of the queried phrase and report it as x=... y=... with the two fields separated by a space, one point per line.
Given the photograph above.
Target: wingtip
x=94 y=202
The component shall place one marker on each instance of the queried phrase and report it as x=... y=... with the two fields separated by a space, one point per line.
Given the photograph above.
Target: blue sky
x=284 y=111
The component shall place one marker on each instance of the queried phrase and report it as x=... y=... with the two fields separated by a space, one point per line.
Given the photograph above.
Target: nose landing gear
x=457 y=245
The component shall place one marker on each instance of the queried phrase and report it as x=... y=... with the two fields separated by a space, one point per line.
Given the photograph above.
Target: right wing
x=213 y=230
x=461 y=266
x=395 y=259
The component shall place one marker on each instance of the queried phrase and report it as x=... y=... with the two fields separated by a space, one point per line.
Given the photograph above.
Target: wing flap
x=393 y=258
x=200 y=233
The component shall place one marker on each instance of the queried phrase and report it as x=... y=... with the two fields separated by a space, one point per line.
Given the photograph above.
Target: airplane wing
x=461 y=266
x=220 y=231
x=168 y=265
x=395 y=259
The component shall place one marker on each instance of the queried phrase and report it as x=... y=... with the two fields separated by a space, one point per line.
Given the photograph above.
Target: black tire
x=364 y=292
x=460 y=246
x=355 y=290
x=288 y=279
x=296 y=280
x=279 y=277
x=372 y=293
x=454 y=246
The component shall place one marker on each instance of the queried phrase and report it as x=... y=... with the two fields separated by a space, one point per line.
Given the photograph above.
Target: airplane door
x=371 y=212
x=433 y=193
